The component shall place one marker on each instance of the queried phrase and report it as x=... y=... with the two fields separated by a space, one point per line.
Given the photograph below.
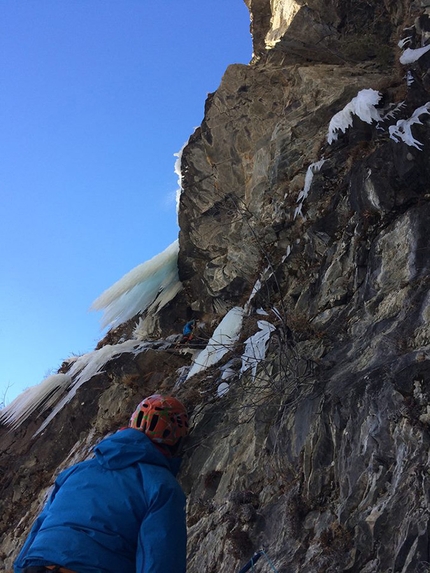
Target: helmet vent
x=139 y=419
x=153 y=424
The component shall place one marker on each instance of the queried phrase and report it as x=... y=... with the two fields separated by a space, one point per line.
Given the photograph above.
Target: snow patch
x=222 y=340
x=261 y=311
x=410 y=55
x=255 y=289
x=150 y=285
x=402 y=130
x=287 y=253
x=222 y=389
x=310 y=172
x=228 y=372
x=362 y=105
x=255 y=347
x=409 y=78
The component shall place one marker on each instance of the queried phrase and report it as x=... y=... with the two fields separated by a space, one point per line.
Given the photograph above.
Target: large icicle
x=57 y=390
x=42 y=396
x=154 y=282
x=86 y=366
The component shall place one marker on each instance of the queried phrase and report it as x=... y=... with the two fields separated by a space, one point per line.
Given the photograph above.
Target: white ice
x=410 y=56
x=43 y=395
x=222 y=389
x=222 y=340
x=153 y=283
x=362 y=105
x=178 y=172
x=255 y=347
x=57 y=390
x=402 y=130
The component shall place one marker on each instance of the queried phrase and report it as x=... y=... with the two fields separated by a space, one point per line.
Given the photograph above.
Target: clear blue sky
x=95 y=98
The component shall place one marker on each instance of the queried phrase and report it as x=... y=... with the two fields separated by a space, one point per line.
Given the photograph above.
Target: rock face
x=321 y=454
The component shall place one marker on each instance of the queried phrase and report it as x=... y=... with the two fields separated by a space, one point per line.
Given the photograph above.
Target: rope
x=251 y=562
x=254 y=559
x=269 y=561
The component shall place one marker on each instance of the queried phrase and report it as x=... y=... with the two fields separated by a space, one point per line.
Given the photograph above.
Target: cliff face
x=319 y=450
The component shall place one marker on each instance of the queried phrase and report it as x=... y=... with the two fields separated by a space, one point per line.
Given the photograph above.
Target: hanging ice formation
x=57 y=390
x=149 y=286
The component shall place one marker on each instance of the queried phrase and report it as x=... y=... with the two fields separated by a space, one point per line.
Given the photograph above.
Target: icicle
x=41 y=396
x=154 y=282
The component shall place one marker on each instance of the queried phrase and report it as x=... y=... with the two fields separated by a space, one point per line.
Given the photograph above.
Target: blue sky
x=96 y=96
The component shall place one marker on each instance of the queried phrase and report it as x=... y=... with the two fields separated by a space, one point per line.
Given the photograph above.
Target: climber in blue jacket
x=123 y=511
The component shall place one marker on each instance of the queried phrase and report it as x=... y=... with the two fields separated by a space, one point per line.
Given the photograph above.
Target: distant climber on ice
x=122 y=511
x=188 y=331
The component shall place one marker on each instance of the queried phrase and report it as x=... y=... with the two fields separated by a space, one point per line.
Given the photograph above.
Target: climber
x=122 y=511
x=188 y=332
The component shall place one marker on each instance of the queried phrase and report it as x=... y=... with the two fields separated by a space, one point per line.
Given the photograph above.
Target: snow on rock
x=362 y=105
x=222 y=340
x=402 y=130
x=261 y=311
x=255 y=347
x=402 y=43
x=182 y=374
x=222 y=389
x=310 y=172
x=410 y=56
x=409 y=78
x=228 y=370
x=255 y=289
x=149 y=285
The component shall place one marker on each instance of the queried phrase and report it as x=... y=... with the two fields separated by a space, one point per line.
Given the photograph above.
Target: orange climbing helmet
x=162 y=418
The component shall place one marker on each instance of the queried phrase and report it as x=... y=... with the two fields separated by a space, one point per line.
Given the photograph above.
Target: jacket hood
x=128 y=447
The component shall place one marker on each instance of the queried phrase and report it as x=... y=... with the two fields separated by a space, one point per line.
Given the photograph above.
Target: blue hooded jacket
x=121 y=512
